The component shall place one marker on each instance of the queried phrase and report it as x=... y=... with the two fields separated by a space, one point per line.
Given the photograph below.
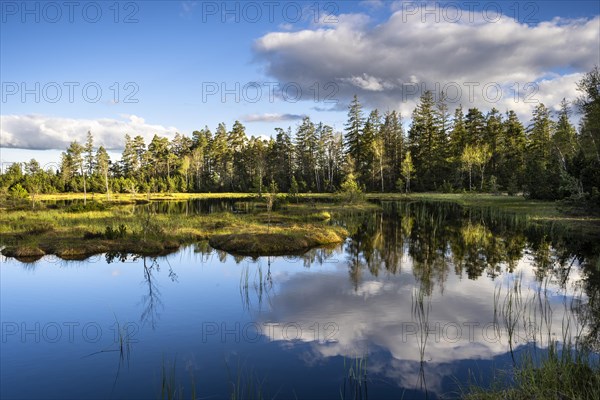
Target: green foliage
x=512 y=187
x=112 y=234
x=400 y=185
x=89 y=206
x=446 y=187
x=293 y=192
x=493 y=185
x=407 y=170
x=551 y=159
x=350 y=190
x=17 y=192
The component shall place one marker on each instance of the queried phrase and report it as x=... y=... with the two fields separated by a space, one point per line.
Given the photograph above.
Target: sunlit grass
x=33 y=233
x=565 y=368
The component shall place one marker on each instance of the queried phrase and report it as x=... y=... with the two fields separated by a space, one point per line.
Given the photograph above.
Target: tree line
x=463 y=150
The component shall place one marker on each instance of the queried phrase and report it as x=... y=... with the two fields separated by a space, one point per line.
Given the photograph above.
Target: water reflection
x=439 y=237
x=150 y=302
x=538 y=288
x=418 y=295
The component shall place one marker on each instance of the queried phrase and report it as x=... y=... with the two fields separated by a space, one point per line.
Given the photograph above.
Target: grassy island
x=76 y=232
x=29 y=230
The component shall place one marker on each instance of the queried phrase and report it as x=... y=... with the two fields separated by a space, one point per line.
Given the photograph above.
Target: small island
x=128 y=225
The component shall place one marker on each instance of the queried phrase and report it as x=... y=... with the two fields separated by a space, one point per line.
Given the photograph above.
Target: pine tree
x=306 y=146
x=353 y=136
x=565 y=148
x=441 y=153
x=200 y=157
x=129 y=160
x=283 y=159
x=369 y=134
x=458 y=142
x=511 y=169
x=543 y=176
x=328 y=149
x=589 y=106
x=89 y=154
x=102 y=167
x=492 y=138
x=237 y=142
x=422 y=141
x=222 y=156
x=589 y=137
x=565 y=137
x=474 y=126
x=75 y=158
x=392 y=134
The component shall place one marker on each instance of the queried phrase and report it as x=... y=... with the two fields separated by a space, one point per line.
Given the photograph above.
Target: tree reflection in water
x=438 y=237
x=150 y=301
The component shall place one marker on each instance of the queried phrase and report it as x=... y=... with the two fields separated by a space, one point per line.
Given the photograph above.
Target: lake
x=420 y=301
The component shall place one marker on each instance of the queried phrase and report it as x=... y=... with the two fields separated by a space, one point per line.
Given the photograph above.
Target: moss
x=263 y=244
x=76 y=235
x=23 y=252
x=81 y=251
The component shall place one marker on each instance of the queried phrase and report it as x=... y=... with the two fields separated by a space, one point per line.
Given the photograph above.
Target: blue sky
x=171 y=53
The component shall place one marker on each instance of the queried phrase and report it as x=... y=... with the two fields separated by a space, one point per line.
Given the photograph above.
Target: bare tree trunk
x=482 y=170
x=84 y=190
x=106 y=183
x=470 y=186
x=381 y=173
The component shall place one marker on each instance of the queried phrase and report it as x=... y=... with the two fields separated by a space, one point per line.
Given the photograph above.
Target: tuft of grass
x=245 y=384
x=24 y=253
x=567 y=369
x=288 y=241
x=567 y=372
x=354 y=385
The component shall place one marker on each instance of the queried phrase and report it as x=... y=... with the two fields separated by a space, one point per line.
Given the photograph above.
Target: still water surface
x=421 y=300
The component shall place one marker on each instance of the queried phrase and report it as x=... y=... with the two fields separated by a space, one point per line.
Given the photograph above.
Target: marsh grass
x=550 y=366
x=140 y=230
x=245 y=383
x=421 y=306
x=170 y=389
x=245 y=287
x=123 y=347
x=355 y=381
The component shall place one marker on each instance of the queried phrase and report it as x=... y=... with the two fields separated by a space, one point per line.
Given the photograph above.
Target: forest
x=442 y=150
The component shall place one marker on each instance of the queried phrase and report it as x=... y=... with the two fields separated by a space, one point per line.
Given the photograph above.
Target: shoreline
x=115 y=226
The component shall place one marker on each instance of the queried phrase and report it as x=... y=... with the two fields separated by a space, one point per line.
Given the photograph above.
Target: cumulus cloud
x=39 y=132
x=390 y=64
x=380 y=314
x=271 y=117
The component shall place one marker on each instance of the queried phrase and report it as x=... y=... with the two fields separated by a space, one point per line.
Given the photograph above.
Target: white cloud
x=271 y=117
x=40 y=132
x=365 y=82
x=380 y=314
x=389 y=64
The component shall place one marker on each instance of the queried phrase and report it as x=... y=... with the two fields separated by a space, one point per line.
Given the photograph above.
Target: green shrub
x=90 y=206
x=112 y=234
x=446 y=187
x=17 y=192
